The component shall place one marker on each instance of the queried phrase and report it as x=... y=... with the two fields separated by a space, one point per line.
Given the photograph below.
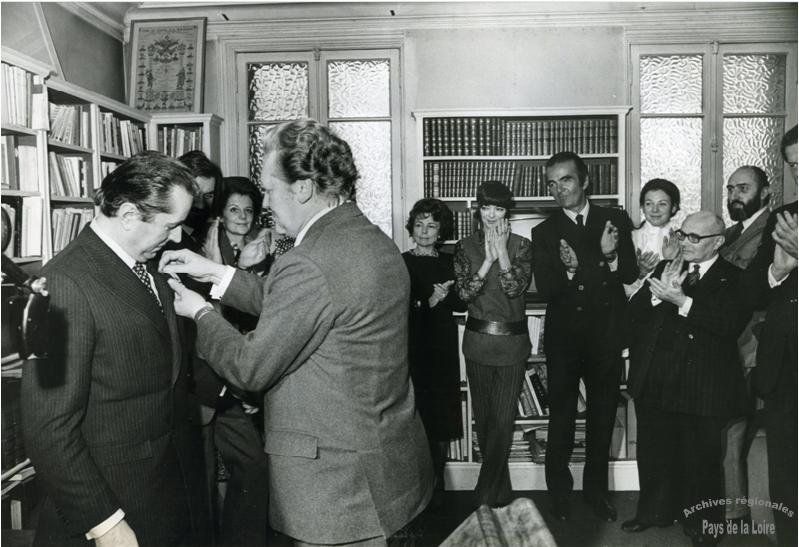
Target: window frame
x=318 y=107
x=712 y=111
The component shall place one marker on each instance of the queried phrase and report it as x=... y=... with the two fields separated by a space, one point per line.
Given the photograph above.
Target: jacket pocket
x=113 y=454
x=291 y=443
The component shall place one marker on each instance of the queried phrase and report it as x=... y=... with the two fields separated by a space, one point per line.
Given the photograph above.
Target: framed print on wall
x=166 y=68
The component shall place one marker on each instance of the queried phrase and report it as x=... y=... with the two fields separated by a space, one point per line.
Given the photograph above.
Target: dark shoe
x=560 y=509
x=602 y=508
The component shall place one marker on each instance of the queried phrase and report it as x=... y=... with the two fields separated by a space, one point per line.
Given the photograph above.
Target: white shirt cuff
x=218 y=290
x=656 y=301
x=570 y=275
x=772 y=281
x=106 y=525
x=686 y=306
x=614 y=264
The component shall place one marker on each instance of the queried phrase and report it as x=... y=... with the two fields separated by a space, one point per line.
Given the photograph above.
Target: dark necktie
x=580 y=222
x=141 y=273
x=735 y=233
x=693 y=276
x=236 y=255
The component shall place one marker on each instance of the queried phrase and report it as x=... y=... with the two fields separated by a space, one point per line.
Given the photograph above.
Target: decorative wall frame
x=166 y=68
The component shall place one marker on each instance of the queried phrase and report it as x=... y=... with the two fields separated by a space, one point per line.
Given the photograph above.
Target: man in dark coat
x=582 y=256
x=770 y=283
x=105 y=416
x=687 y=380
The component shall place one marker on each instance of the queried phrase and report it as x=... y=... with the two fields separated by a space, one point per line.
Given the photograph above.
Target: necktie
x=141 y=273
x=236 y=255
x=580 y=221
x=693 y=276
x=735 y=233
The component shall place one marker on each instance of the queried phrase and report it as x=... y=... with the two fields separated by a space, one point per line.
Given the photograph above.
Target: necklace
x=418 y=252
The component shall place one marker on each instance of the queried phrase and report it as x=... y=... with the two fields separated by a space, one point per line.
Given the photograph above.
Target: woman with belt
x=493 y=268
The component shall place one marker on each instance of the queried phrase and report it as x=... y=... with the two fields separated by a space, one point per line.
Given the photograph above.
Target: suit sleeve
x=55 y=394
x=754 y=280
x=297 y=315
x=245 y=292
x=723 y=312
x=628 y=262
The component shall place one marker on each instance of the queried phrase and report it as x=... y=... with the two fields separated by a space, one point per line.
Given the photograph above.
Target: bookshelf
x=459 y=150
x=174 y=134
x=89 y=136
x=462 y=148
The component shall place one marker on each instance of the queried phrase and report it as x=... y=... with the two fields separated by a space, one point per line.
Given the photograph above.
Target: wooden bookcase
x=175 y=134
x=462 y=148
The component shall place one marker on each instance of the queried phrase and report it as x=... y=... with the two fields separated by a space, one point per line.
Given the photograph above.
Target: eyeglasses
x=693 y=238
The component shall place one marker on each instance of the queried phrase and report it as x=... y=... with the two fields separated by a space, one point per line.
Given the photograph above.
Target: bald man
x=687 y=381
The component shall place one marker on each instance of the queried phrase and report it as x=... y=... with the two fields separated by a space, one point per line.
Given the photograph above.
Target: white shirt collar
x=703 y=266
x=573 y=216
x=113 y=245
x=748 y=222
x=313 y=219
x=648 y=228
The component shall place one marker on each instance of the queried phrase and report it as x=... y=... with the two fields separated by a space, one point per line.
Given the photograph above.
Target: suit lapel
x=126 y=286
x=568 y=230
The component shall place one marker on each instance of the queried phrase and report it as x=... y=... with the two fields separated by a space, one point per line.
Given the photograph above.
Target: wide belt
x=502 y=328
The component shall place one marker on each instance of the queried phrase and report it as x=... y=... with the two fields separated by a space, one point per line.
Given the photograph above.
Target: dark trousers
x=495 y=393
x=244 y=514
x=680 y=467
x=601 y=373
x=781 y=431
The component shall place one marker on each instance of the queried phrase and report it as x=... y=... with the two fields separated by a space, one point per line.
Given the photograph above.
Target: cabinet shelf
x=513 y=158
x=71 y=199
x=13 y=129
x=63 y=146
x=20 y=193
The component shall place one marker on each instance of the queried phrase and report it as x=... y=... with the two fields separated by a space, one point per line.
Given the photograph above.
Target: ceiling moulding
x=96 y=18
x=775 y=22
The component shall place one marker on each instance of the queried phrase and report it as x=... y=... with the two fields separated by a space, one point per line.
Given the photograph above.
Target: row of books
x=23 y=217
x=525 y=179
x=20 y=169
x=69 y=176
x=535 y=328
x=67 y=224
x=121 y=137
x=70 y=124
x=518 y=137
x=462 y=224
x=458 y=449
x=107 y=166
x=177 y=140
x=533 y=396
x=22 y=101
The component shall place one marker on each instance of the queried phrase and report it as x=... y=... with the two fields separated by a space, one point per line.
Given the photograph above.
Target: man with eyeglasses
x=771 y=284
x=686 y=380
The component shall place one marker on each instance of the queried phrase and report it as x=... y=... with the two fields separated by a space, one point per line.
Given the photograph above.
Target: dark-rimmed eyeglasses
x=693 y=238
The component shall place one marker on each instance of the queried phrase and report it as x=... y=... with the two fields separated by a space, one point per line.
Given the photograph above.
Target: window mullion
x=713 y=146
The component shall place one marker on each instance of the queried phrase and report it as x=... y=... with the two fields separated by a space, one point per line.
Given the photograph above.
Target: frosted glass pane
x=358 y=88
x=753 y=141
x=371 y=146
x=671 y=84
x=671 y=148
x=256 y=151
x=277 y=91
x=754 y=84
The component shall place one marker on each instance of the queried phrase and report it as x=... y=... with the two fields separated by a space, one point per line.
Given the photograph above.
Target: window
x=354 y=92
x=701 y=111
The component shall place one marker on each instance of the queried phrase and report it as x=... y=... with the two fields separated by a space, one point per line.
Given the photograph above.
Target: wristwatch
x=202 y=311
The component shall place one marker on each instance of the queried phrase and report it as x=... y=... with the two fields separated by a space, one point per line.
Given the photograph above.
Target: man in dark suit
x=104 y=415
x=771 y=284
x=348 y=457
x=748 y=194
x=582 y=256
x=686 y=380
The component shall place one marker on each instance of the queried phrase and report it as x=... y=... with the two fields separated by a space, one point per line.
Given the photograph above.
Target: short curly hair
x=306 y=149
x=436 y=209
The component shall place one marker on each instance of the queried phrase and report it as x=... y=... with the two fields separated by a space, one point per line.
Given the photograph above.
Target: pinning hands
x=197 y=267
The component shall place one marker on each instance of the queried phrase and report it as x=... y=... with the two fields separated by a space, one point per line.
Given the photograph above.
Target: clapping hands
x=646 y=262
x=671 y=246
x=784 y=236
x=568 y=256
x=669 y=287
x=440 y=291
